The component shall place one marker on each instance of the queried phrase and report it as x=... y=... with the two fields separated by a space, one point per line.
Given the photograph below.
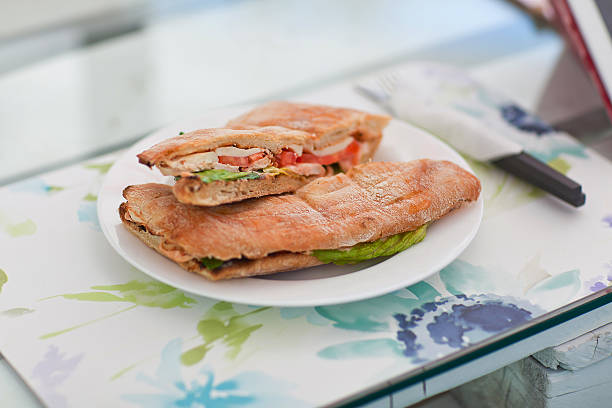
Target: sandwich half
x=334 y=129
x=375 y=209
x=218 y=166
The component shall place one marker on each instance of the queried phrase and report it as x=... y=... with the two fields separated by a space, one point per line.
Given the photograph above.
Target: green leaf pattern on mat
x=18 y=229
x=502 y=192
x=138 y=293
x=150 y=294
x=3 y=279
x=560 y=164
x=21 y=229
x=54 y=189
x=102 y=168
x=16 y=312
x=222 y=323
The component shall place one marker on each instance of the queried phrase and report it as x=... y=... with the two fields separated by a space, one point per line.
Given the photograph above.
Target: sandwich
x=335 y=130
x=249 y=159
x=375 y=209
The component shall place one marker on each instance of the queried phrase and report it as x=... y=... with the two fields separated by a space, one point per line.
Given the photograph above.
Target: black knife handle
x=526 y=167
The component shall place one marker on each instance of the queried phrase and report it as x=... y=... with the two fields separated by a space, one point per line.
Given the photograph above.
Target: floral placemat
x=81 y=325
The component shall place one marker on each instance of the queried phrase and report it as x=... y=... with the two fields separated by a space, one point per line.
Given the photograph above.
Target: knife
x=474 y=120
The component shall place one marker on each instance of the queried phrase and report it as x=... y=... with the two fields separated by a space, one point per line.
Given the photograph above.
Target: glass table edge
x=483 y=348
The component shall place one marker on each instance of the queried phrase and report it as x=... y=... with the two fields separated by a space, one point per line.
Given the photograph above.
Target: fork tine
x=388 y=81
x=384 y=83
x=381 y=87
x=392 y=76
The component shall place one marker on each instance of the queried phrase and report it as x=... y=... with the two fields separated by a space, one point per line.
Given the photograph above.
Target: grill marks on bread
x=371 y=201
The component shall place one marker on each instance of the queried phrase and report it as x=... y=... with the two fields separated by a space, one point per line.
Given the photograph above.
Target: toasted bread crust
x=371 y=201
x=274 y=126
x=191 y=190
x=326 y=123
x=280 y=262
x=273 y=138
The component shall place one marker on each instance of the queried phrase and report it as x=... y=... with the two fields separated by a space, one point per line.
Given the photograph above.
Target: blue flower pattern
x=88 y=214
x=422 y=322
x=451 y=320
x=247 y=389
x=35 y=186
x=517 y=117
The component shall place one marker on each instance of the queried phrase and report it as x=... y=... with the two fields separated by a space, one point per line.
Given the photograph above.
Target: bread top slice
x=275 y=134
x=371 y=201
x=272 y=138
x=327 y=123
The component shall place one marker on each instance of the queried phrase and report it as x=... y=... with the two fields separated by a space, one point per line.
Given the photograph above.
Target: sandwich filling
x=209 y=176
x=253 y=161
x=349 y=255
x=358 y=253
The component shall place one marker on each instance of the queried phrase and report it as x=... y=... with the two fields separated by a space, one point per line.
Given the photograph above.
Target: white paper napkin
x=476 y=120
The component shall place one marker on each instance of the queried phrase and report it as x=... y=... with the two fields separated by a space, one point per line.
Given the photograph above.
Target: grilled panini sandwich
x=375 y=209
x=218 y=166
x=337 y=131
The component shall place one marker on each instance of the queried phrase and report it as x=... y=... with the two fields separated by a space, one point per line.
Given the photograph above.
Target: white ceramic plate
x=321 y=285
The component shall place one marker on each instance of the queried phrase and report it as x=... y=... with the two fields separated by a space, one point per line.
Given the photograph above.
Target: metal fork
x=380 y=88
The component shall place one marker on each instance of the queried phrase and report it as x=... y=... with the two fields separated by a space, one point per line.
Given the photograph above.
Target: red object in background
x=567 y=20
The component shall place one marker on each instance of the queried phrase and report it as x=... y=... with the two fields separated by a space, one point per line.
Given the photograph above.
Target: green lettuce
x=369 y=250
x=336 y=168
x=208 y=176
x=211 y=263
x=357 y=253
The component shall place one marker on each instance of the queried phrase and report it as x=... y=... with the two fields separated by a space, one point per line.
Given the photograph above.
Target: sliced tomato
x=311 y=158
x=351 y=153
x=234 y=161
x=286 y=158
x=241 y=161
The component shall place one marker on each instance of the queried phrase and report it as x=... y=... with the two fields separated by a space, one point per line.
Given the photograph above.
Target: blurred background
x=81 y=77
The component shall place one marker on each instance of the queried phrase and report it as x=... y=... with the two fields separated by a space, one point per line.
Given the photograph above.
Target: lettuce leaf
x=211 y=263
x=368 y=250
x=208 y=176
x=336 y=168
x=358 y=253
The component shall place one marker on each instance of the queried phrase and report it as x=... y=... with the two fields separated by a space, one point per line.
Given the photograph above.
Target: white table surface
x=93 y=99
